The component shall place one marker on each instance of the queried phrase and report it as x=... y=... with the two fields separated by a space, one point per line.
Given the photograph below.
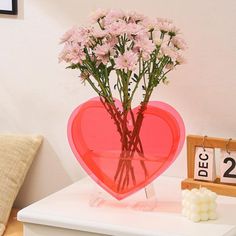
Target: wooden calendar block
x=228 y=167
x=204 y=168
x=196 y=143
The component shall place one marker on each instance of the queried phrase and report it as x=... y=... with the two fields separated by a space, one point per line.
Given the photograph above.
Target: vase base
x=147 y=203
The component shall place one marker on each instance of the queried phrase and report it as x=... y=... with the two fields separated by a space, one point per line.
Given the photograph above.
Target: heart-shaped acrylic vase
x=98 y=145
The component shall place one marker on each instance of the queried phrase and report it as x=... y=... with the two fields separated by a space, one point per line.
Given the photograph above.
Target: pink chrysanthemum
x=169 y=52
x=69 y=35
x=72 y=53
x=164 y=25
x=102 y=52
x=134 y=17
x=135 y=29
x=180 y=59
x=127 y=61
x=112 y=16
x=179 y=43
x=117 y=28
x=97 y=15
x=144 y=46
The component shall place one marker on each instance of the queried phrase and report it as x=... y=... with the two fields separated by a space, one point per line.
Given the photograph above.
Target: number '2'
x=233 y=164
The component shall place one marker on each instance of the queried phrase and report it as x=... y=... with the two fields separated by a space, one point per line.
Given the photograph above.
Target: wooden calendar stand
x=194 y=141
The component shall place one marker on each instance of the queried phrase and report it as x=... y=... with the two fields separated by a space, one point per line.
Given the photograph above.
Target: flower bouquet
x=119 y=54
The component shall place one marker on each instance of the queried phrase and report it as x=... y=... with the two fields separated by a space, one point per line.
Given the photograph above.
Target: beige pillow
x=16 y=155
x=2 y=229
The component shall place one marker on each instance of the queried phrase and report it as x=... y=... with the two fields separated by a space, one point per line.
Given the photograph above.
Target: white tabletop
x=84 y=206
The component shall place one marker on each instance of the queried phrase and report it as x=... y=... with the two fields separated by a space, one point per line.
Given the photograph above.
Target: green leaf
x=136 y=76
x=109 y=69
x=73 y=66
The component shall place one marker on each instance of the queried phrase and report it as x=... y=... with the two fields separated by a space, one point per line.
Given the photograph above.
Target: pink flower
x=117 y=28
x=127 y=61
x=97 y=15
x=83 y=36
x=99 y=33
x=173 y=30
x=112 y=16
x=144 y=46
x=164 y=25
x=134 y=29
x=179 y=43
x=134 y=17
x=157 y=41
x=149 y=24
x=169 y=52
x=112 y=40
x=180 y=59
x=69 y=35
x=102 y=52
x=77 y=35
x=72 y=53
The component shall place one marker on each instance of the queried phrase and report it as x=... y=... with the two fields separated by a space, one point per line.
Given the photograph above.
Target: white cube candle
x=204 y=207
x=204 y=216
x=195 y=217
x=199 y=204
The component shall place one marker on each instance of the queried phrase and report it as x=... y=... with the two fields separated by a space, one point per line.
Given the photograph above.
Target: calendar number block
x=228 y=167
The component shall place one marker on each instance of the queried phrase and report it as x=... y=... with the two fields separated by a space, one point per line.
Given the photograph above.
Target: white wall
x=37 y=94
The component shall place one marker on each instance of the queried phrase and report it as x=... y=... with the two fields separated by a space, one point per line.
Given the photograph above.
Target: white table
x=69 y=213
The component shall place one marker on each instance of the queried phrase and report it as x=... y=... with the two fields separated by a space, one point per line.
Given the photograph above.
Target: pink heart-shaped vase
x=96 y=143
